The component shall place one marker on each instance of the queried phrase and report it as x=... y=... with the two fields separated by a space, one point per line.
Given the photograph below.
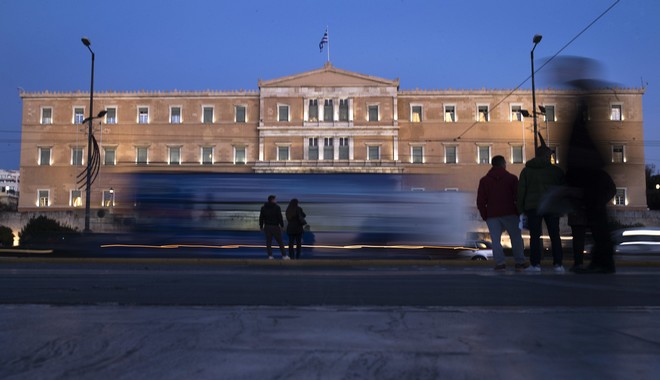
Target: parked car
x=476 y=250
x=637 y=241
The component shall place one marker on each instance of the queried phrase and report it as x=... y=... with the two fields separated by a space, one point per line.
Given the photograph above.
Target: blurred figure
x=590 y=187
x=539 y=176
x=296 y=222
x=496 y=201
x=271 y=222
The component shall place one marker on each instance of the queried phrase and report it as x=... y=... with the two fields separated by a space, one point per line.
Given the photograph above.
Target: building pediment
x=329 y=76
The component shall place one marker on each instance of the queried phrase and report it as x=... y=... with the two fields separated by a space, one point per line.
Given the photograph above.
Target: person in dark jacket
x=539 y=176
x=295 y=217
x=271 y=222
x=496 y=201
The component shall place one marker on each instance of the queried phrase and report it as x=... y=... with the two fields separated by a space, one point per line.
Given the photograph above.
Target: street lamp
x=90 y=118
x=536 y=40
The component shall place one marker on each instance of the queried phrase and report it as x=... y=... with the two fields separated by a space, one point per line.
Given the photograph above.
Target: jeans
x=297 y=240
x=510 y=224
x=273 y=231
x=535 y=228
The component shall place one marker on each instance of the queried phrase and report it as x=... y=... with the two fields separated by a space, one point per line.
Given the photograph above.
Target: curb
x=44 y=257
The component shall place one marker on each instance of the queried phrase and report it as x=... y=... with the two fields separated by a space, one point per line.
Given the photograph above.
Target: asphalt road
x=67 y=318
x=308 y=283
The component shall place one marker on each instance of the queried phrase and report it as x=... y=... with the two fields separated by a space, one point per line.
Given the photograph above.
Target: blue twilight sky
x=229 y=45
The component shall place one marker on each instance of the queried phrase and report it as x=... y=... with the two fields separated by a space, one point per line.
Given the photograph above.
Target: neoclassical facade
x=327 y=120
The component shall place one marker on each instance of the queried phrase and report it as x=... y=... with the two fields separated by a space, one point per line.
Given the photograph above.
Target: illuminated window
x=516 y=114
x=111 y=115
x=482 y=113
x=344 y=148
x=207 y=155
x=43 y=198
x=174 y=155
x=175 y=115
x=78 y=115
x=313 y=111
x=618 y=153
x=416 y=114
x=450 y=113
x=76 y=156
x=620 y=197
x=373 y=113
x=313 y=148
x=616 y=112
x=328 y=110
x=451 y=154
x=46 y=115
x=239 y=155
x=282 y=112
x=417 y=154
x=373 y=152
x=44 y=156
x=110 y=156
x=207 y=115
x=483 y=152
x=108 y=198
x=517 y=154
x=143 y=115
x=241 y=114
x=75 y=198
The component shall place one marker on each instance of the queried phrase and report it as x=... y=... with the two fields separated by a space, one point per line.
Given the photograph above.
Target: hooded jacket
x=497 y=194
x=535 y=179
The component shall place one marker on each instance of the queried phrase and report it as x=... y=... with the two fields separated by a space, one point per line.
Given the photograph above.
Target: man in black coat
x=271 y=222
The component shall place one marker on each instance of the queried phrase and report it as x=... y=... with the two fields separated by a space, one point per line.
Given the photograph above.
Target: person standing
x=296 y=222
x=496 y=201
x=538 y=176
x=271 y=222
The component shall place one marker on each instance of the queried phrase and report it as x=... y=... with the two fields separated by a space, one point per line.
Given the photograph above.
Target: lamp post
x=88 y=180
x=536 y=40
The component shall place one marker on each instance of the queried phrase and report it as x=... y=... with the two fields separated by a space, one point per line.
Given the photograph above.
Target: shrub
x=6 y=237
x=43 y=230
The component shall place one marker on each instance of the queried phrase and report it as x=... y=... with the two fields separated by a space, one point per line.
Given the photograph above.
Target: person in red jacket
x=496 y=201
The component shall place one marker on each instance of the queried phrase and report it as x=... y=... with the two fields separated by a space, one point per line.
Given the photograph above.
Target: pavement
x=315 y=319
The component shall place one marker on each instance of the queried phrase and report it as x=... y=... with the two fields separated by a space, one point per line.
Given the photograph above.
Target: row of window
x=208 y=115
x=108 y=198
x=75 y=198
x=313 y=152
x=327 y=113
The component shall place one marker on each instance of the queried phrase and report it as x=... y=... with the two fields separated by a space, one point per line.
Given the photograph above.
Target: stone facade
x=324 y=120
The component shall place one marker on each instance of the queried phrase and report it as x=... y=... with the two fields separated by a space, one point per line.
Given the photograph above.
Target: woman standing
x=295 y=217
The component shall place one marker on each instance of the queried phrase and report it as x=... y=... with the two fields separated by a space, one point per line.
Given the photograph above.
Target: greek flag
x=324 y=41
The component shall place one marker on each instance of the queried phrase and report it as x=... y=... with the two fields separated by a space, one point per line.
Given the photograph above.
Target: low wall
x=115 y=223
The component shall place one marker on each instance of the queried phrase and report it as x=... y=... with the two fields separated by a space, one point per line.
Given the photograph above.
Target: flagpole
x=326 y=30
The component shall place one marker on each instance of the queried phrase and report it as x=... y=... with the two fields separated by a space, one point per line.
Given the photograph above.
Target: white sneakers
x=537 y=268
x=286 y=258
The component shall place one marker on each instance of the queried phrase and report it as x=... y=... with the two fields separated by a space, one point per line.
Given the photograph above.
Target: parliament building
x=326 y=120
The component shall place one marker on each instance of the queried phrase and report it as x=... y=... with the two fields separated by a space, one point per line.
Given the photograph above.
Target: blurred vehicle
x=637 y=241
x=476 y=250
x=343 y=210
